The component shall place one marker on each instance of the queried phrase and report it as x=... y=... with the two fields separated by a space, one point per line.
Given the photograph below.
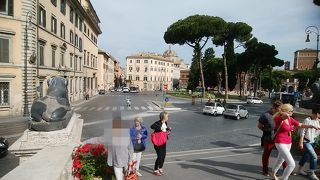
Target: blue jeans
x=309 y=153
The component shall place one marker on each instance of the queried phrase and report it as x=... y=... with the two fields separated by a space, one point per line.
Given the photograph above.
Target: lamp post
x=28 y=22
x=315 y=30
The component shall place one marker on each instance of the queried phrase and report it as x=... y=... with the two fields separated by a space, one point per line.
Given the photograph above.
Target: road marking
x=107 y=108
x=129 y=108
x=114 y=108
x=136 y=108
x=212 y=157
x=200 y=153
x=99 y=109
x=150 y=108
x=84 y=108
x=91 y=108
x=77 y=109
x=143 y=108
x=121 y=107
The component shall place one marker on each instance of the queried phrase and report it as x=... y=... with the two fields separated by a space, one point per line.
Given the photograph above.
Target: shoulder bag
x=131 y=173
x=159 y=138
x=273 y=135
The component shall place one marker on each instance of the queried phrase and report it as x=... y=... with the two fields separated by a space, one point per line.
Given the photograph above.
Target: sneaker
x=313 y=176
x=302 y=172
x=139 y=174
x=266 y=174
x=157 y=173
x=161 y=171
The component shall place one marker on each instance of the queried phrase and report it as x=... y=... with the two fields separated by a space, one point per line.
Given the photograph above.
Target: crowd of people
x=277 y=125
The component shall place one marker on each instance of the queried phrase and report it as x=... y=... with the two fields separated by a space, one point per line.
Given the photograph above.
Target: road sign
x=166 y=104
x=166 y=99
x=165 y=87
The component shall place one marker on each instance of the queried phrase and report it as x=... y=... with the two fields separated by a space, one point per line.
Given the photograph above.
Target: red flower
x=98 y=149
x=77 y=164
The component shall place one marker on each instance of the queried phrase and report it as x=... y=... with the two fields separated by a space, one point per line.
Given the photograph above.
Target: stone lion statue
x=315 y=101
x=52 y=112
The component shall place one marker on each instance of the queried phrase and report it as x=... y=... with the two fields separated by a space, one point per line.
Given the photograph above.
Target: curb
x=166 y=108
x=80 y=102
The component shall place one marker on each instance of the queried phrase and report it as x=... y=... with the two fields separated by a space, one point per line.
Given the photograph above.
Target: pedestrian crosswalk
x=118 y=108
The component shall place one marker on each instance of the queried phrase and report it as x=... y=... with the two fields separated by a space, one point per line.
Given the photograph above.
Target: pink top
x=282 y=135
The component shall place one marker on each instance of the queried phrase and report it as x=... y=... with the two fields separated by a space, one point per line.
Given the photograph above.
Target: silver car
x=236 y=111
x=213 y=108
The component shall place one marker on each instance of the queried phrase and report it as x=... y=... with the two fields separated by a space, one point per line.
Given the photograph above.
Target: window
x=80 y=44
x=84 y=27
x=41 y=53
x=130 y=77
x=130 y=68
x=53 y=24
x=4 y=50
x=54 y=2
x=76 y=40
x=63 y=6
x=62 y=31
x=76 y=20
x=137 y=78
x=71 y=14
x=145 y=61
x=4 y=93
x=42 y=17
x=130 y=61
x=71 y=37
x=80 y=24
x=62 y=57
x=137 y=69
x=145 y=69
x=53 y=56
x=138 y=61
x=6 y=7
x=80 y=63
x=76 y=63
x=71 y=60
x=145 y=78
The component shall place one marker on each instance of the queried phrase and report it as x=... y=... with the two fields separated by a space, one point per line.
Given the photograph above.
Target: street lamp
x=309 y=30
x=28 y=22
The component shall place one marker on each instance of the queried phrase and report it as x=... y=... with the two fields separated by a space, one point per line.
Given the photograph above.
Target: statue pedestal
x=33 y=141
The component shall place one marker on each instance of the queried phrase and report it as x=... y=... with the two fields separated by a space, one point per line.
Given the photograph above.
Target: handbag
x=139 y=147
x=131 y=173
x=159 y=138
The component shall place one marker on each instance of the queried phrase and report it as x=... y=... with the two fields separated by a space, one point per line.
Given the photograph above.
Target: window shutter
x=10 y=7
x=44 y=18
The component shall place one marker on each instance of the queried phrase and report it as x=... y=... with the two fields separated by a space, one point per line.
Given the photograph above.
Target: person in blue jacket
x=138 y=135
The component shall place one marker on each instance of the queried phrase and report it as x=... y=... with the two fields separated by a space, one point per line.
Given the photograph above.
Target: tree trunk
x=201 y=70
x=240 y=84
x=225 y=71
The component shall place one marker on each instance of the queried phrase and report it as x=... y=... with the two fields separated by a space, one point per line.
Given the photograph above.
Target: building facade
x=105 y=71
x=178 y=66
x=42 y=39
x=304 y=59
x=149 y=71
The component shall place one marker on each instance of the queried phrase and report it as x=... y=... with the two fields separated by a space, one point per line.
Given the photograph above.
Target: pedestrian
x=265 y=123
x=160 y=126
x=307 y=142
x=284 y=124
x=120 y=149
x=138 y=135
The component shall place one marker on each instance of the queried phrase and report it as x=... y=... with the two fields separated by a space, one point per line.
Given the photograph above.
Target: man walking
x=266 y=124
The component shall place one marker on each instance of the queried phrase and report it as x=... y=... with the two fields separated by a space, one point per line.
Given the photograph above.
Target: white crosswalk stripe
x=115 y=108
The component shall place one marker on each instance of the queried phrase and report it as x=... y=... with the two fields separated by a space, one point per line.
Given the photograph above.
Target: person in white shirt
x=307 y=142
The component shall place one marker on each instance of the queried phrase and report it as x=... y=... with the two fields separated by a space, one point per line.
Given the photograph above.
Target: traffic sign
x=166 y=99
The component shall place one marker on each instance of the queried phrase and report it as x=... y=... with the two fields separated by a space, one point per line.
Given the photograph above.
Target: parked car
x=4 y=145
x=125 y=90
x=133 y=90
x=102 y=91
x=213 y=108
x=254 y=100
x=236 y=111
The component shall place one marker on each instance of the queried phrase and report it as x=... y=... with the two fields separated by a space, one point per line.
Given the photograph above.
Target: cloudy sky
x=131 y=26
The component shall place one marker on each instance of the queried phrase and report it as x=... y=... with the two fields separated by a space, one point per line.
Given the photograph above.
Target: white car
x=125 y=90
x=236 y=111
x=254 y=100
x=213 y=108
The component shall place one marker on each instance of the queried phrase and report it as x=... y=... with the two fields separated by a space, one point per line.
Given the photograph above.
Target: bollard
x=193 y=100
